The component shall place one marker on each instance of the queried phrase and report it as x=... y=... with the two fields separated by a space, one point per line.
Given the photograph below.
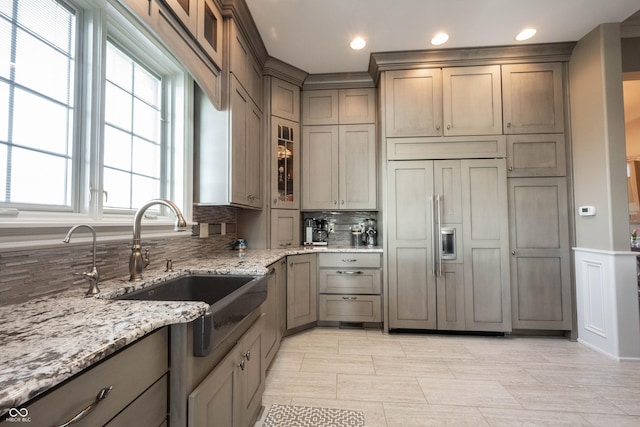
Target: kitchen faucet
x=137 y=262
x=93 y=277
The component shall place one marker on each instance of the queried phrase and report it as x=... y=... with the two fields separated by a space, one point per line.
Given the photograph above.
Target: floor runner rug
x=307 y=416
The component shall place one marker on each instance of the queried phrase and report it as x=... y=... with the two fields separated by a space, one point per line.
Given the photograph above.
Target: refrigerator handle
x=439 y=231
x=433 y=236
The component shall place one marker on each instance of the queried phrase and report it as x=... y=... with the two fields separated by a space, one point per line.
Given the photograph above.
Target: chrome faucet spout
x=137 y=262
x=92 y=276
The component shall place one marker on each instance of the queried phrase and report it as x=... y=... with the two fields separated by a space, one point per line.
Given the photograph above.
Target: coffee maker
x=369 y=234
x=316 y=232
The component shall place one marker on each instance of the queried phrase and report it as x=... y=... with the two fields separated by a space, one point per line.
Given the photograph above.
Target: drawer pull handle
x=349 y=272
x=272 y=271
x=350 y=298
x=247 y=355
x=86 y=411
x=241 y=364
x=349 y=260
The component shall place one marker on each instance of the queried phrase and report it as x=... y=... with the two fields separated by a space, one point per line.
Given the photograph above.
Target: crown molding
x=338 y=81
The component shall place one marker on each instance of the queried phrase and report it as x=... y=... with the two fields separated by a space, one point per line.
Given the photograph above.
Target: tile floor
x=433 y=380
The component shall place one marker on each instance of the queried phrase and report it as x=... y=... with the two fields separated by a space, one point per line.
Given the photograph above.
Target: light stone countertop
x=45 y=341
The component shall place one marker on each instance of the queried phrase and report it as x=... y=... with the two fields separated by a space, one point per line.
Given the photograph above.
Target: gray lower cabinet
x=302 y=290
x=137 y=376
x=540 y=253
x=349 y=287
x=231 y=395
x=275 y=310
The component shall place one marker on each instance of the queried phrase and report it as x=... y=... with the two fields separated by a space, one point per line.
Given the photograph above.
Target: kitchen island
x=48 y=340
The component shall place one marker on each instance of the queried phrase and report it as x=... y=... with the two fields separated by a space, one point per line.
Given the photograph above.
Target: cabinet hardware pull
x=513 y=252
x=247 y=355
x=437 y=127
x=348 y=272
x=86 y=411
x=349 y=298
x=448 y=127
x=285 y=244
x=349 y=260
x=342 y=201
x=275 y=201
x=510 y=168
x=272 y=271
x=335 y=202
x=509 y=124
x=241 y=364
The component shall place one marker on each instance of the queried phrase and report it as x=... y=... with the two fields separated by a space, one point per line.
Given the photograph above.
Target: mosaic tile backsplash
x=30 y=273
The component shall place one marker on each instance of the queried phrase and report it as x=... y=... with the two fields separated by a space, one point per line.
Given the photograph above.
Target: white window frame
x=97 y=20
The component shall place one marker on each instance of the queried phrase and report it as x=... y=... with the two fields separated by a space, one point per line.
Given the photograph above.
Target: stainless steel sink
x=231 y=299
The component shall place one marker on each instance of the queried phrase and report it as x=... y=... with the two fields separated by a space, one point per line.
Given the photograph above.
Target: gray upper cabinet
x=536 y=155
x=471 y=100
x=285 y=100
x=343 y=106
x=209 y=30
x=243 y=65
x=452 y=101
x=285 y=164
x=320 y=107
x=356 y=106
x=413 y=103
x=285 y=228
x=186 y=11
x=540 y=253
x=532 y=98
x=338 y=167
x=246 y=125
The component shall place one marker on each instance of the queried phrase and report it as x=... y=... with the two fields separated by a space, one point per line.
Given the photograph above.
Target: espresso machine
x=369 y=237
x=316 y=232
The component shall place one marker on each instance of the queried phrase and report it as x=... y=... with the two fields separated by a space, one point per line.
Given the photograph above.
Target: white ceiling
x=314 y=35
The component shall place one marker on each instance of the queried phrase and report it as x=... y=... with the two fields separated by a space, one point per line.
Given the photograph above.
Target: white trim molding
x=607 y=302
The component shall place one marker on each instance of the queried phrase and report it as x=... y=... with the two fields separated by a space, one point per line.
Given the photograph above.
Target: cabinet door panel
x=254 y=156
x=253 y=374
x=413 y=105
x=412 y=291
x=357 y=167
x=486 y=244
x=357 y=106
x=301 y=290
x=209 y=30
x=285 y=228
x=540 y=263
x=536 y=155
x=319 y=167
x=447 y=183
x=472 y=103
x=215 y=401
x=285 y=164
x=285 y=100
x=533 y=99
x=451 y=298
x=320 y=107
x=239 y=115
x=349 y=281
x=186 y=11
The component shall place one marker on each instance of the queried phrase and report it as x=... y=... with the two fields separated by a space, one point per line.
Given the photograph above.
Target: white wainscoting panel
x=607 y=302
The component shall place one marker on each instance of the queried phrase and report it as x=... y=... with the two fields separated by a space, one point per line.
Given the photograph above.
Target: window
x=132 y=131
x=89 y=139
x=37 y=109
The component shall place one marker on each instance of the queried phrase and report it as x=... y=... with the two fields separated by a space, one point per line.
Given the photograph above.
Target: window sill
x=34 y=233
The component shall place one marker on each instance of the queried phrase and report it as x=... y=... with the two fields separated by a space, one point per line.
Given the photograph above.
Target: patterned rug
x=306 y=416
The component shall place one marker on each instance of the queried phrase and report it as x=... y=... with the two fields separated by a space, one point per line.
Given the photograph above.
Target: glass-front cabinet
x=285 y=179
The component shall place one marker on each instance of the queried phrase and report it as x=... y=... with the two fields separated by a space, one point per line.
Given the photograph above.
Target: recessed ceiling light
x=439 y=39
x=357 y=43
x=526 y=34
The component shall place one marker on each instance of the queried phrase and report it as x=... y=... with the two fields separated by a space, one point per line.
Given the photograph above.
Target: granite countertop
x=47 y=340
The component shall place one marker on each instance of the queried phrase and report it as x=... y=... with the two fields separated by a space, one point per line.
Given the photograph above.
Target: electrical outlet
x=332 y=227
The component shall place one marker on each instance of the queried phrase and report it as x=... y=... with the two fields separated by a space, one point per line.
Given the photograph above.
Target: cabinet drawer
x=349 y=259
x=129 y=372
x=350 y=308
x=349 y=281
x=148 y=410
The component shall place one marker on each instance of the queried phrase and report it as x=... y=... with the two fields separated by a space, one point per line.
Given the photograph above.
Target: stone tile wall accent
x=32 y=273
